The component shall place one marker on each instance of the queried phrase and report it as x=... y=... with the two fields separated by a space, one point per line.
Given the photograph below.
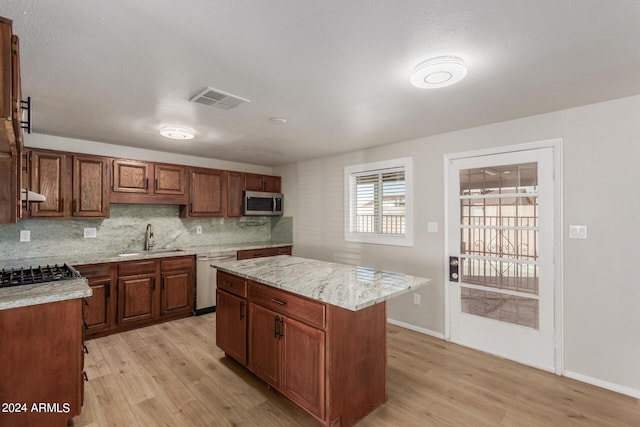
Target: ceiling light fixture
x=175 y=132
x=438 y=72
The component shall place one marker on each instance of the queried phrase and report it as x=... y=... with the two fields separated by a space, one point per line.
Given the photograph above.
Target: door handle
x=454 y=264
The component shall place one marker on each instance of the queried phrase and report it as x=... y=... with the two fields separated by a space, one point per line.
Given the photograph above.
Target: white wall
x=602 y=292
x=38 y=140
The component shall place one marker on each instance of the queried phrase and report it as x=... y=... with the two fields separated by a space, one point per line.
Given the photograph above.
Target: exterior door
x=500 y=239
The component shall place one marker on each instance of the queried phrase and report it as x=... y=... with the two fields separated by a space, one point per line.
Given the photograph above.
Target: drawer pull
x=277 y=301
x=86 y=378
x=227 y=283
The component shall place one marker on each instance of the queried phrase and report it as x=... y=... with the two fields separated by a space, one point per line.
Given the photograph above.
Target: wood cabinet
x=130 y=294
x=328 y=360
x=98 y=313
x=11 y=135
x=264 y=252
x=177 y=275
x=207 y=194
x=74 y=185
x=136 y=181
x=255 y=182
x=10 y=185
x=90 y=192
x=235 y=184
x=231 y=325
x=44 y=364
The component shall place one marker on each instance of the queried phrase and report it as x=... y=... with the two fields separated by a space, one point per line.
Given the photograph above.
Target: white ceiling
x=337 y=70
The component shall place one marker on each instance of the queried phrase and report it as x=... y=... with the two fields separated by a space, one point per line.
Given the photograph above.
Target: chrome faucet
x=148 y=240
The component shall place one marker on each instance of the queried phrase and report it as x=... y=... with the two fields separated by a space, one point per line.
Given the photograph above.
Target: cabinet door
x=135 y=298
x=169 y=179
x=271 y=183
x=235 y=183
x=130 y=176
x=97 y=314
x=303 y=365
x=177 y=292
x=5 y=70
x=208 y=193
x=231 y=325
x=90 y=187
x=49 y=178
x=256 y=253
x=252 y=182
x=264 y=343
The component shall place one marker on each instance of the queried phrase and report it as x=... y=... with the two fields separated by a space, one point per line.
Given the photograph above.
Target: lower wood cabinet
x=137 y=293
x=44 y=364
x=264 y=252
x=328 y=360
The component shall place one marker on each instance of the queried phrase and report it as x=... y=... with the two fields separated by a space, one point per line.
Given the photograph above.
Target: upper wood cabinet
x=255 y=182
x=90 y=187
x=235 y=184
x=207 y=195
x=137 y=181
x=73 y=185
x=10 y=91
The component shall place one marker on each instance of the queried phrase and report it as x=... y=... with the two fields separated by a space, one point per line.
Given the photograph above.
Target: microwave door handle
x=273 y=205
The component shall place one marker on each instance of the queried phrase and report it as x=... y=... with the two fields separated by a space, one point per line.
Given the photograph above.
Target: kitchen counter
x=346 y=286
x=129 y=255
x=41 y=293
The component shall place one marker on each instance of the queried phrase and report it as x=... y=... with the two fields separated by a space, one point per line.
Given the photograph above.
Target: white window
x=378 y=205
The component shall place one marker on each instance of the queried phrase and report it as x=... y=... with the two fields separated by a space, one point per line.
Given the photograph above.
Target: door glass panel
x=502 y=307
x=499 y=242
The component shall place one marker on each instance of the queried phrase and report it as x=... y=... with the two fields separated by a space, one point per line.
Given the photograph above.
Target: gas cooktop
x=40 y=274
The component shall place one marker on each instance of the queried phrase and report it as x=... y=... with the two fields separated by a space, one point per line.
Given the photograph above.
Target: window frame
x=350 y=173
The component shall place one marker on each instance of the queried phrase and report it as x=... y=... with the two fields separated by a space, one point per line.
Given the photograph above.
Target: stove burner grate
x=40 y=274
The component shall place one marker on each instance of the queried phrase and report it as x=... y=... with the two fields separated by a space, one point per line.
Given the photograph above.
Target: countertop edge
x=43 y=293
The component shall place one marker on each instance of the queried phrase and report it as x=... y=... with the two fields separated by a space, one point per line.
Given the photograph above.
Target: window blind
x=379 y=202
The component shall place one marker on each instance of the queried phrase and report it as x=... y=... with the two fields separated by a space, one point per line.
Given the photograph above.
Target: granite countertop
x=24 y=295
x=342 y=285
x=41 y=293
x=96 y=258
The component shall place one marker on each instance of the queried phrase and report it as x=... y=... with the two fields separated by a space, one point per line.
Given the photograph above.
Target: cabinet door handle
x=241 y=310
x=146 y=183
x=277 y=301
x=275 y=327
x=85 y=349
x=85 y=301
x=108 y=290
x=85 y=324
x=156 y=184
x=84 y=374
x=281 y=328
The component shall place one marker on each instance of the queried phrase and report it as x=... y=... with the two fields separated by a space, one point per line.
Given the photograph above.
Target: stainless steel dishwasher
x=206 y=280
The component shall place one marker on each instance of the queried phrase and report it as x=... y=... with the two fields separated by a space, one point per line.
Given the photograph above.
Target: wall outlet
x=432 y=227
x=577 y=231
x=416 y=299
x=90 y=233
x=198 y=229
x=25 y=235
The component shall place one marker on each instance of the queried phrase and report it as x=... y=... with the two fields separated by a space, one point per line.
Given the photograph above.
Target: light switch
x=432 y=227
x=90 y=233
x=25 y=235
x=198 y=229
x=577 y=231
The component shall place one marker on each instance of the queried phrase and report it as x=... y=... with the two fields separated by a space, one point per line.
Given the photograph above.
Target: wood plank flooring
x=172 y=374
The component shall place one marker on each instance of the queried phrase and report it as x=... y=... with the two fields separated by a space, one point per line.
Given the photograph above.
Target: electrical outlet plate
x=25 y=235
x=198 y=229
x=90 y=233
x=577 y=231
x=416 y=299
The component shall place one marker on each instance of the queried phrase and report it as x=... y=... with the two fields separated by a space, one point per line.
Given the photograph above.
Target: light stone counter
x=42 y=293
x=342 y=285
x=97 y=258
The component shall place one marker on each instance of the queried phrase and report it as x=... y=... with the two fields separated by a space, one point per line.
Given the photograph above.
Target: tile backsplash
x=125 y=231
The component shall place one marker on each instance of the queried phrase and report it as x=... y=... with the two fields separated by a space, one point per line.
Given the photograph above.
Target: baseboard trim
x=416 y=328
x=603 y=384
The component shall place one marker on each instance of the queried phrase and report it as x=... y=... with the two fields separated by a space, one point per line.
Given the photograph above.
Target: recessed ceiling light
x=175 y=132
x=438 y=72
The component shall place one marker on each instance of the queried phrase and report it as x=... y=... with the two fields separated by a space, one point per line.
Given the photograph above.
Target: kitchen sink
x=159 y=251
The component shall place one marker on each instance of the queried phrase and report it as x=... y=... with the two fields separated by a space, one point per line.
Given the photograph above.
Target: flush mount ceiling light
x=438 y=72
x=175 y=132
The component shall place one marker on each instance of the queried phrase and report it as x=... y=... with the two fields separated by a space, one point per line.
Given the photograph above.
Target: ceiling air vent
x=219 y=99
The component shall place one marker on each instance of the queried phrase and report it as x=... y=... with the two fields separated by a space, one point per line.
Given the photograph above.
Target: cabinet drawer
x=133 y=268
x=94 y=270
x=284 y=250
x=304 y=309
x=256 y=253
x=234 y=284
x=177 y=263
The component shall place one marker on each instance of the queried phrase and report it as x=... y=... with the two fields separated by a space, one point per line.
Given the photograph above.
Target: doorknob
x=454 y=263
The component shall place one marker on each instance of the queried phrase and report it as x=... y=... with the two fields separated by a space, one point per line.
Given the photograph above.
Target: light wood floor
x=172 y=374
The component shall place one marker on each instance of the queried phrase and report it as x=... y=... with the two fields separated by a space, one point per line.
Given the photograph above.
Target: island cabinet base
x=328 y=360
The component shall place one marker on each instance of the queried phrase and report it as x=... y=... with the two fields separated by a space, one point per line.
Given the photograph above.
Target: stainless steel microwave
x=260 y=203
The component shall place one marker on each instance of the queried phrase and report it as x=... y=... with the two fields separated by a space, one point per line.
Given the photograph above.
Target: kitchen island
x=313 y=330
